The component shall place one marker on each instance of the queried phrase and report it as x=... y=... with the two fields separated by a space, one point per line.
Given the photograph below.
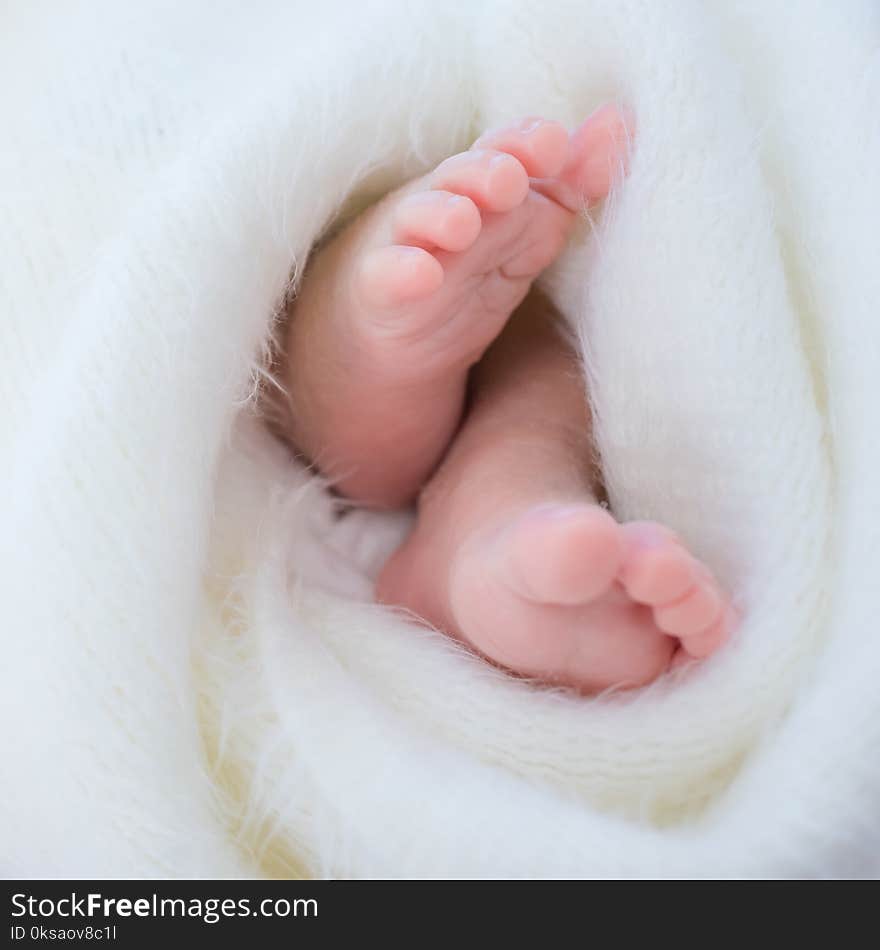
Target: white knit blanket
x=195 y=682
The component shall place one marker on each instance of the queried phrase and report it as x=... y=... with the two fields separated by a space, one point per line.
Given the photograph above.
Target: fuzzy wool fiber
x=196 y=683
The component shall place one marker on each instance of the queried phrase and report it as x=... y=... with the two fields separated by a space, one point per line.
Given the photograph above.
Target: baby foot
x=395 y=311
x=566 y=594
x=585 y=601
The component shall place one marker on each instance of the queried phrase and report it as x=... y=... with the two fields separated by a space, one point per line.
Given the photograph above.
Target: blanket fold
x=196 y=682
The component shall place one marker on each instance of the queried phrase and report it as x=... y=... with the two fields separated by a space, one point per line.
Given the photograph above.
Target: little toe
x=495 y=181
x=562 y=554
x=657 y=568
x=389 y=277
x=436 y=219
x=693 y=613
x=541 y=146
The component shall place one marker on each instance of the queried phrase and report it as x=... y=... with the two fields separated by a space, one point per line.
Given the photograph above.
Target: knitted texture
x=196 y=682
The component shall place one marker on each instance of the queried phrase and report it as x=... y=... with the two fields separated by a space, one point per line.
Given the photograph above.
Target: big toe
x=562 y=554
x=599 y=155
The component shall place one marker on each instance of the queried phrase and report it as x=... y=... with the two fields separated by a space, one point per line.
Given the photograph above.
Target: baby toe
x=704 y=644
x=495 y=181
x=389 y=277
x=693 y=613
x=600 y=151
x=436 y=219
x=563 y=554
x=657 y=569
x=541 y=146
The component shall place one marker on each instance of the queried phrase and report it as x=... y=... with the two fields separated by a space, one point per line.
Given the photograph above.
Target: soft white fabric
x=194 y=681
